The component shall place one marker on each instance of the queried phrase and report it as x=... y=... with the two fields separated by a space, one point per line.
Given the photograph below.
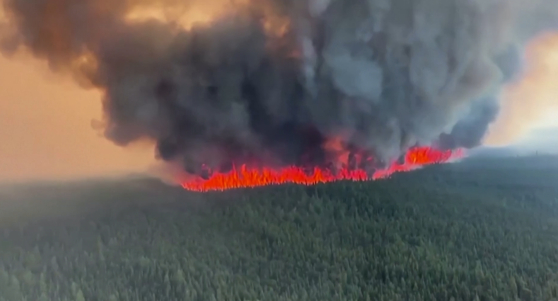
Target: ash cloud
x=271 y=80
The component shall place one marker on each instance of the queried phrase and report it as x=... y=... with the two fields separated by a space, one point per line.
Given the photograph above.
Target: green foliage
x=459 y=232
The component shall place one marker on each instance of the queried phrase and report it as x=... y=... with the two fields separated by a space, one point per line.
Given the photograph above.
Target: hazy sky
x=551 y=119
x=532 y=100
x=45 y=128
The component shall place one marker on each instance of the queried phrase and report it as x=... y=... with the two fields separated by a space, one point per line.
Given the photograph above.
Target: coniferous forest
x=481 y=230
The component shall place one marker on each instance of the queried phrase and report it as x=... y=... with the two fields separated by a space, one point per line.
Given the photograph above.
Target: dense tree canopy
x=457 y=232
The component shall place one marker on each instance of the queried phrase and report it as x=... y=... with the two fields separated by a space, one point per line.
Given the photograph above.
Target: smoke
x=470 y=131
x=532 y=96
x=273 y=80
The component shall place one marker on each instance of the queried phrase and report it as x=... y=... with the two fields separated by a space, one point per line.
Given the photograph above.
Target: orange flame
x=244 y=176
x=336 y=149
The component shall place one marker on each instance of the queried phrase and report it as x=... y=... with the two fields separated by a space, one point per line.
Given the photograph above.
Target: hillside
x=477 y=230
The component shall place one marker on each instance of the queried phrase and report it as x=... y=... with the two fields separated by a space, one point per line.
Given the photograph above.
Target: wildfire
x=244 y=176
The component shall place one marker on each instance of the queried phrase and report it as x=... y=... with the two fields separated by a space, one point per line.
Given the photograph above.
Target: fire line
x=246 y=177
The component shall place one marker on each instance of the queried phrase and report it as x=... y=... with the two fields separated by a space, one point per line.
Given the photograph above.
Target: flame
x=335 y=147
x=244 y=176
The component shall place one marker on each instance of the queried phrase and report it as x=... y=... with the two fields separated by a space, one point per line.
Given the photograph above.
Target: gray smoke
x=469 y=131
x=385 y=75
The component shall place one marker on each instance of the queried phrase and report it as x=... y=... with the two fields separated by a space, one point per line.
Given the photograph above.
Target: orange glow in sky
x=533 y=99
x=45 y=128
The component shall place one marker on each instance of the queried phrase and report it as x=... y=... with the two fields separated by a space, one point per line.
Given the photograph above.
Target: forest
x=479 y=230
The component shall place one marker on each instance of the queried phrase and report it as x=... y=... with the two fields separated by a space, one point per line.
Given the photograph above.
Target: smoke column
x=273 y=81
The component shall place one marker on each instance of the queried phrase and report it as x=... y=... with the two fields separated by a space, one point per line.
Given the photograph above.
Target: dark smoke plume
x=471 y=128
x=272 y=80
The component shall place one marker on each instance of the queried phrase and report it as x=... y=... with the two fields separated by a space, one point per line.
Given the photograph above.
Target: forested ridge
x=475 y=232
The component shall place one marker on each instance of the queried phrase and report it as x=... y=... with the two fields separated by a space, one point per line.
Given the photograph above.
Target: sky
x=550 y=119
x=531 y=100
x=46 y=132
